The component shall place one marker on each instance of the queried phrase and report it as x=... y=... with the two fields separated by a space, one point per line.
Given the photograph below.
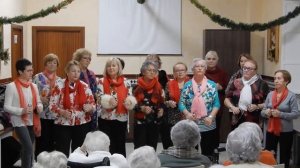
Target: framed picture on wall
x=273 y=44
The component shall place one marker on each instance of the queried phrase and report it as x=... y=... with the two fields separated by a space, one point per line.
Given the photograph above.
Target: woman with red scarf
x=72 y=104
x=21 y=102
x=46 y=82
x=150 y=106
x=280 y=110
x=114 y=95
x=172 y=92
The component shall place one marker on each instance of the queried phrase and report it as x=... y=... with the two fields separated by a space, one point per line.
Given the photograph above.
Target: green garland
x=41 y=13
x=222 y=21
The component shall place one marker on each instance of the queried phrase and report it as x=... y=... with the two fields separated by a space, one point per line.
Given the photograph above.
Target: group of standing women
x=69 y=108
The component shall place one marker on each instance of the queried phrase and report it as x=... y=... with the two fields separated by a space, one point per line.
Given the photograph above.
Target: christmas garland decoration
x=41 y=13
x=222 y=21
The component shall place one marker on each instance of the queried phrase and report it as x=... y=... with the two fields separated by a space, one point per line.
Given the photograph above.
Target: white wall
x=9 y=8
x=85 y=13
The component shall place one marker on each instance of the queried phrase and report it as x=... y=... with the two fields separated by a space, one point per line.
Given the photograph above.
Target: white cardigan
x=12 y=103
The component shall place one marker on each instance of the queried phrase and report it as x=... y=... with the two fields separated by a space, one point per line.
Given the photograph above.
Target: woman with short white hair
x=54 y=159
x=199 y=101
x=243 y=148
x=145 y=157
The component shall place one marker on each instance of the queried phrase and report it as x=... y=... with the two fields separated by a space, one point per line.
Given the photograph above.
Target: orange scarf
x=174 y=90
x=153 y=86
x=111 y=86
x=51 y=77
x=274 y=125
x=80 y=97
x=22 y=101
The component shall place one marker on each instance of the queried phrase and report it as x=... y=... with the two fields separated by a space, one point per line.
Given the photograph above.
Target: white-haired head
x=185 y=133
x=54 y=159
x=96 y=141
x=145 y=157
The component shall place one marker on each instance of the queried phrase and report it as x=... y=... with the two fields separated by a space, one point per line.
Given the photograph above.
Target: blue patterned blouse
x=210 y=97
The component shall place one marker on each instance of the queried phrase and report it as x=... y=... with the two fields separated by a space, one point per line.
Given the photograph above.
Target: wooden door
x=229 y=44
x=16 y=47
x=62 y=41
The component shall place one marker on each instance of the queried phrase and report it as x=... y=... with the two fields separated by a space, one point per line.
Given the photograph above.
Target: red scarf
x=109 y=86
x=174 y=90
x=19 y=84
x=51 y=77
x=80 y=97
x=274 y=125
x=153 y=86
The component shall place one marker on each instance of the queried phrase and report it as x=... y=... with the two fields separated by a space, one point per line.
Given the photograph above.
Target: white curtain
x=127 y=27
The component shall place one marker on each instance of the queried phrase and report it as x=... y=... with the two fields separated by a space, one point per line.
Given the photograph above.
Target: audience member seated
x=265 y=156
x=54 y=159
x=185 y=135
x=94 y=149
x=243 y=149
x=144 y=157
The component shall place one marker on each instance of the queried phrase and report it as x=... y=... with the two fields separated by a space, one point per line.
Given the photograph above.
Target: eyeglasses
x=180 y=71
x=151 y=70
x=211 y=59
x=87 y=58
x=248 y=69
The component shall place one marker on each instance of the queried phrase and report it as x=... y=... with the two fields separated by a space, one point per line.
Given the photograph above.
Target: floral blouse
x=210 y=97
x=43 y=85
x=78 y=117
x=111 y=113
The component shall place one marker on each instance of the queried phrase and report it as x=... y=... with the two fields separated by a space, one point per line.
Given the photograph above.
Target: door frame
x=16 y=27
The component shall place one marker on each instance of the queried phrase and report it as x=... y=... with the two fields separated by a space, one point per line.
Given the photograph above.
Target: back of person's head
x=96 y=141
x=185 y=133
x=21 y=64
x=54 y=159
x=243 y=146
x=145 y=157
x=252 y=127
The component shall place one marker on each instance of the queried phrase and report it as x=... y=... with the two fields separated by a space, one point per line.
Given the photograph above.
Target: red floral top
x=78 y=116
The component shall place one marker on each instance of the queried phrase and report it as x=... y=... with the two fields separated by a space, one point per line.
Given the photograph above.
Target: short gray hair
x=243 y=146
x=146 y=64
x=54 y=159
x=145 y=157
x=212 y=53
x=195 y=60
x=187 y=129
x=96 y=141
x=252 y=127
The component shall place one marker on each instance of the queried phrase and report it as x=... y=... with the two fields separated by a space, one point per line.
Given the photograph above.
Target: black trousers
x=46 y=141
x=10 y=151
x=165 y=134
x=145 y=134
x=285 y=145
x=116 y=131
x=65 y=134
x=208 y=142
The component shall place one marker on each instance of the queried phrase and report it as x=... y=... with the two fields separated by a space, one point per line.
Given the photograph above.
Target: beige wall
x=9 y=8
x=85 y=13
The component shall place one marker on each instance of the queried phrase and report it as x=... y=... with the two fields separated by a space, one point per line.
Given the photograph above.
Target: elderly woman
x=145 y=157
x=280 y=110
x=149 y=110
x=240 y=62
x=46 y=82
x=93 y=151
x=220 y=77
x=245 y=97
x=162 y=75
x=199 y=102
x=183 y=153
x=21 y=102
x=84 y=57
x=52 y=159
x=172 y=92
x=116 y=100
x=72 y=104
x=265 y=156
x=243 y=149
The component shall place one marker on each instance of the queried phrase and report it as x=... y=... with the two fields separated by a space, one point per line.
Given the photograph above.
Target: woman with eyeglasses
x=220 y=77
x=246 y=95
x=149 y=109
x=84 y=57
x=280 y=110
x=199 y=101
